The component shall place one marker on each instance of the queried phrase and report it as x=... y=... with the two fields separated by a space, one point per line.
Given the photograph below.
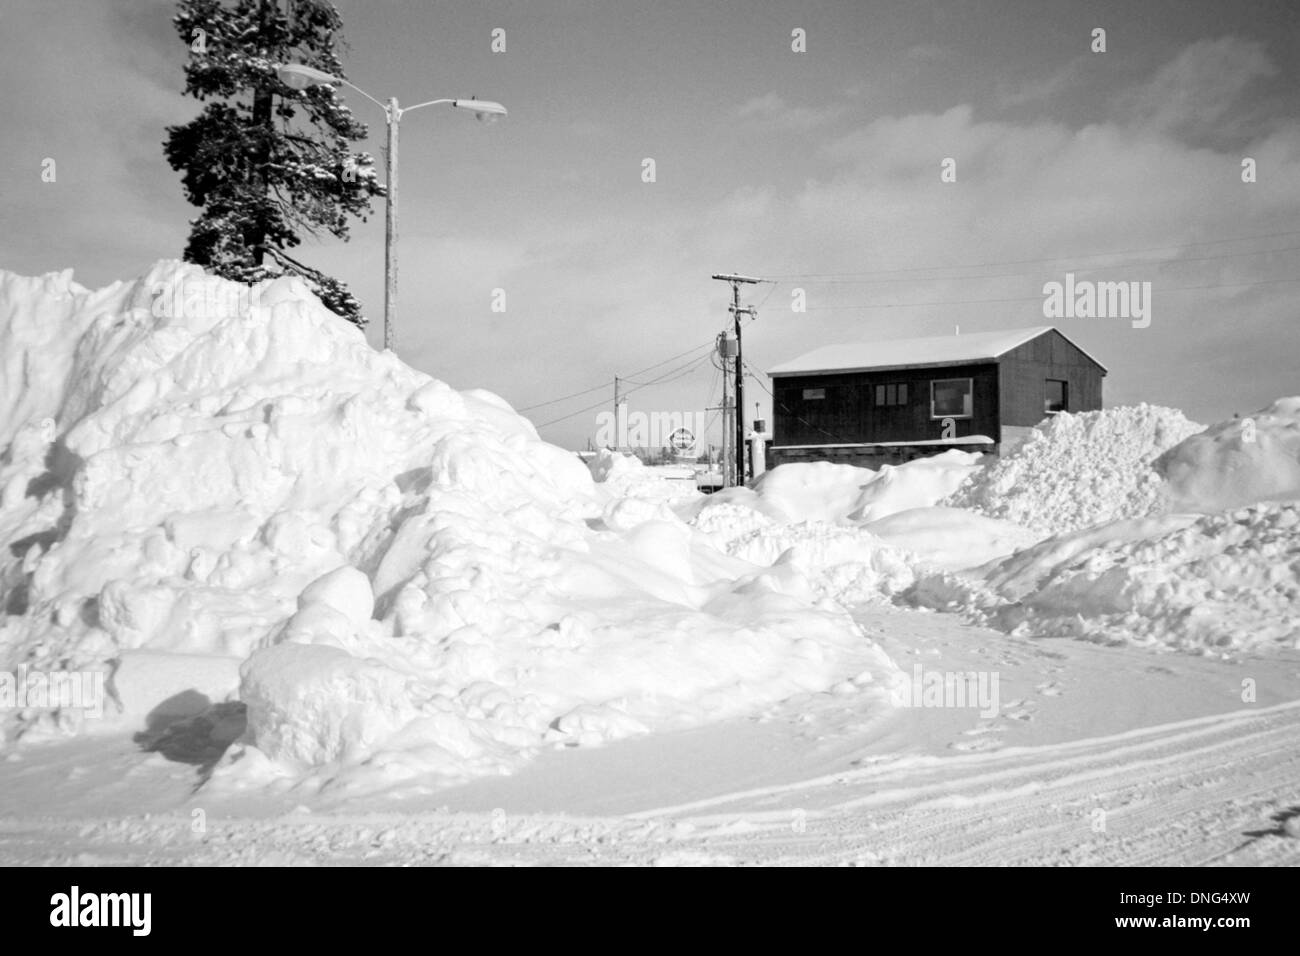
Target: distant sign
x=683 y=439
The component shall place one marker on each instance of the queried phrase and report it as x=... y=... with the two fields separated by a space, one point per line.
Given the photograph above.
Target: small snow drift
x=622 y=476
x=412 y=580
x=952 y=538
x=1237 y=462
x=1075 y=471
x=861 y=536
x=1215 y=583
x=834 y=493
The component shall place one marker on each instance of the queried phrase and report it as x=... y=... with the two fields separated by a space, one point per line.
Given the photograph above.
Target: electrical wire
x=676 y=373
x=783 y=407
x=1007 y=275
x=1021 y=262
x=1029 y=298
x=596 y=388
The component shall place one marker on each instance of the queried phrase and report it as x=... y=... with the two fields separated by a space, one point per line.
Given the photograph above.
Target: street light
x=297 y=76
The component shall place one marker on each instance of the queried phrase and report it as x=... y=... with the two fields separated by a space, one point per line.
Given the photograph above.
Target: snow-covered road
x=1176 y=770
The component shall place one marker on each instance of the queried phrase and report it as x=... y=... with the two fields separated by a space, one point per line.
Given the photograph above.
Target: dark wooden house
x=892 y=401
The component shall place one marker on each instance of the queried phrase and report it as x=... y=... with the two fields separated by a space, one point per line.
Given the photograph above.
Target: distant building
x=887 y=402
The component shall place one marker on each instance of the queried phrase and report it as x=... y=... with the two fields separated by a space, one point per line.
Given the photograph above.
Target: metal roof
x=912 y=353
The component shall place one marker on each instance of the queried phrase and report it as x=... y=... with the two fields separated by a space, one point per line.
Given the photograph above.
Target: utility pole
x=726 y=352
x=738 y=403
x=617 y=432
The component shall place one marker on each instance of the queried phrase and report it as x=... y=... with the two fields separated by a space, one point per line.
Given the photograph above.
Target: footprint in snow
x=976 y=745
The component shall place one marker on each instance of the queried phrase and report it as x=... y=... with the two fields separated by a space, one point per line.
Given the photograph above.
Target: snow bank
x=921 y=483
x=1074 y=471
x=1217 y=583
x=861 y=536
x=1167 y=574
x=1237 y=462
x=834 y=493
x=951 y=538
x=626 y=476
x=411 y=578
x=845 y=564
x=819 y=517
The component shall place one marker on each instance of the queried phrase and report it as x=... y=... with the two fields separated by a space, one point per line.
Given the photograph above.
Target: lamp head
x=296 y=76
x=485 y=111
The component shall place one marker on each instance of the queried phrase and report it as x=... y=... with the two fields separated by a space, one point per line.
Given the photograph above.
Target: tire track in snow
x=1169 y=794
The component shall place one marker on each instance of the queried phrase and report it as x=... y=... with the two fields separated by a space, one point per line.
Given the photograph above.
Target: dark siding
x=1024 y=374
x=849 y=413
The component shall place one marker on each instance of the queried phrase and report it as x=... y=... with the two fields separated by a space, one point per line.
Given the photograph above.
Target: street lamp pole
x=390 y=228
x=298 y=77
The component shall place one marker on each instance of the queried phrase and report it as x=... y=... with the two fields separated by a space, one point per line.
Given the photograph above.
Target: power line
x=785 y=408
x=677 y=372
x=596 y=388
x=1005 y=275
x=1030 y=298
x=1021 y=262
x=708 y=396
x=564 y=398
x=663 y=380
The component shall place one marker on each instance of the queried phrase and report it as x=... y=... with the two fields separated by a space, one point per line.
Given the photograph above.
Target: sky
x=820 y=169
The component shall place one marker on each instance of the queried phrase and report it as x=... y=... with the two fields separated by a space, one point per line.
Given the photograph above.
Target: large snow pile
x=1242 y=460
x=400 y=574
x=835 y=493
x=1075 y=471
x=1209 y=583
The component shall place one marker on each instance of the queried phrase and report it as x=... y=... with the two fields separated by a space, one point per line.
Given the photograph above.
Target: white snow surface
x=244 y=501
x=1237 y=462
x=618 y=475
x=1195 y=548
x=1074 y=471
x=1210 y=584
x=860 y=534
x=413 y=581
x=903 y=353
x=838 y=494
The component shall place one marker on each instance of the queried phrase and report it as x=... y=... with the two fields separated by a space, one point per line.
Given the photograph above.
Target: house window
x=951 y=398
x=891 y=394
x=814 y=394
x=1058 y=396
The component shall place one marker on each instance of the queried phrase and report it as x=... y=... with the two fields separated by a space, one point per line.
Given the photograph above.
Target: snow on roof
x=963 y=440
x=900 y=353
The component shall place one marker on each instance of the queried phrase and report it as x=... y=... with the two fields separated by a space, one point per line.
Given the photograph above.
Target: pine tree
x=266 y=162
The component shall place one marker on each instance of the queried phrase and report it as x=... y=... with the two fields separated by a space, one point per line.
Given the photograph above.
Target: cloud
x=1039 y=91
x=1202 y=90
x=1035 y=188
x=607 y=274
x=771 y=113
x=89 y=97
